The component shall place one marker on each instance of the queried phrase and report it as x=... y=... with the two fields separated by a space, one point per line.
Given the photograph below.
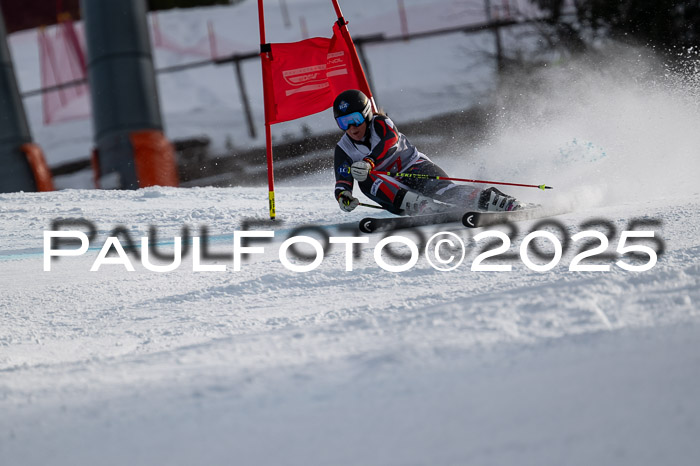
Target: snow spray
x=618 y=128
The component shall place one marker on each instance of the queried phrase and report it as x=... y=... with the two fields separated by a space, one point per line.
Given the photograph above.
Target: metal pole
x=497 y=35
x=212 y=40
x=16 y=174
x=285 y=14
x=128 y=127
x=244 y=99
x=403 y=18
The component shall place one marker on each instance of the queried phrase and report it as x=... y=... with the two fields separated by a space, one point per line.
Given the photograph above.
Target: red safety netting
x=211 y=46
x=62 y=61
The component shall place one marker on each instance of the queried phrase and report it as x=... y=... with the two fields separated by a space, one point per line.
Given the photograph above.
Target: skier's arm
x=343 y=178
x=386 y=147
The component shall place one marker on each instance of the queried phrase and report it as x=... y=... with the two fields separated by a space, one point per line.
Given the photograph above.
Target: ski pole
x=371 y=205
x=434 y=177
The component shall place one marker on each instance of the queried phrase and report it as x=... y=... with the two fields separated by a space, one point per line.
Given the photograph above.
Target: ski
x=473 y=219
x=373 y=224
x=484 y=219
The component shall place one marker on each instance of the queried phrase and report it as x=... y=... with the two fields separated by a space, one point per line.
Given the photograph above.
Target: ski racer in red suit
x=372 y=142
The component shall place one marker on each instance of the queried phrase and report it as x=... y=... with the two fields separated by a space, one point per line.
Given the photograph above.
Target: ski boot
x=417 y=204
x=493 y=200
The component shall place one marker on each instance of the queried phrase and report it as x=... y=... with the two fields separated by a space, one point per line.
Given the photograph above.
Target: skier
x=372 y=142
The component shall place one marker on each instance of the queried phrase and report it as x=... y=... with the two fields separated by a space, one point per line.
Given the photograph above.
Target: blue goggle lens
x=354 y=118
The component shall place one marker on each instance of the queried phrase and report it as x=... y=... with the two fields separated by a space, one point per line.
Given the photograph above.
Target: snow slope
x=268 y=366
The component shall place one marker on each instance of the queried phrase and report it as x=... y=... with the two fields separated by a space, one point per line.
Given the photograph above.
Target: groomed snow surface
x=369 y=367
x=269 y=366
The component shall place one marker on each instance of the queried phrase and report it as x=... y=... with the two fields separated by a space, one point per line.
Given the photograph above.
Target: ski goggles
x=354 y=118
